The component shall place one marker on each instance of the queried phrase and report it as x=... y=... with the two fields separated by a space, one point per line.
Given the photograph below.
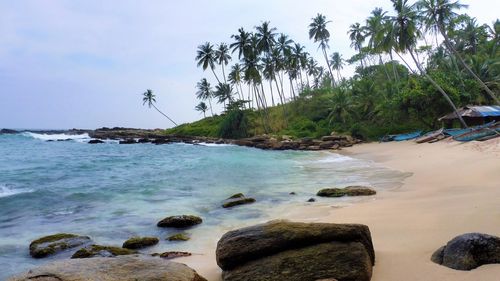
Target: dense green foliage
x=444 y=60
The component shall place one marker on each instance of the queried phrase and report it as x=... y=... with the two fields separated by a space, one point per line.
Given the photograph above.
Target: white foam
x=335 y=158
x=54 y=137
x=215 y=144
x=5 y=191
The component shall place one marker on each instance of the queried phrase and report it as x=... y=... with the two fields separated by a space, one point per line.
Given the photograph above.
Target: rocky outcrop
x=125 y=268
x=95 y=141
x=180 y=221
x=469 y=251
x=282 y=250
x=8 y=131
x=55 y=243
x=237 y=199
x=347 y=191
x=140 y=242
x=101 y=251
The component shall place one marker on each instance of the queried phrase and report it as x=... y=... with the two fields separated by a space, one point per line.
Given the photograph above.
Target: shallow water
x=112 y=192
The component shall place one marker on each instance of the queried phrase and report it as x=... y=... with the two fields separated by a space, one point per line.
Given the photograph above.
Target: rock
x=101 y=251
x=245 y=244
x=95 y=141
x=333 y=138
x=280 y=250
x=140 y=242
x=327 y=144
x=311 y=200
x=8 y=131
x=144 y=140
x=347 y=191
x=53 y=244
x=172 y=255
x=342 y=260
x=128 y=141
x=237 y=199
x=179 y=237
x=124 y=268
x=180 y=221
x=292 y=193
x=469 y=251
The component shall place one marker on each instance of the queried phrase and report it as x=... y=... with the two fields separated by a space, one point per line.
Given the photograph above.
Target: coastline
x=453 y=190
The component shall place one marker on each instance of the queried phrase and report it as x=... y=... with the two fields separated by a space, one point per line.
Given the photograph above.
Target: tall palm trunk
x=164 y=114
x=216 y=77
x=271 y=87
x=210 y=103
x=223 y=73
x=422 y=70
x=328 y=65
x=450 y=47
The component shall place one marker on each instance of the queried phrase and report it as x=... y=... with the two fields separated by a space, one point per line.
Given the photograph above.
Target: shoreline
x=453 y=190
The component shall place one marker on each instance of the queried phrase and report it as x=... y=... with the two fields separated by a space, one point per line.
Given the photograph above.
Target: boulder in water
x=347 y=191
x=180 y=221
x=469 y=251
x=172 y=255
x=140 y=242
x=52 y=244
x=101 y=251
x=125 y=268
x=237 y=199
x=179 y=237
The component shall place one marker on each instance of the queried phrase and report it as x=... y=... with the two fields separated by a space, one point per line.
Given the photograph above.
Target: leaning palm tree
x=356 y=34
x=205 y=92
x=318 y=32
x=206 y=57
x=150 y=98
x=202 y=107
x=437 y=15
x=337 y=63
x=222 y=57
x=406 y=36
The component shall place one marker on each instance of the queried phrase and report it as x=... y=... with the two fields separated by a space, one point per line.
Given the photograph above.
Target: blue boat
x=457 y=132
x=409 y=136
x=479 y=133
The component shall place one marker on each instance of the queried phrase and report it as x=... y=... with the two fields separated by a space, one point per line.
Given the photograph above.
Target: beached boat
x=479 y=133
x=430 y=136
x=408 y=136
x=457 y=132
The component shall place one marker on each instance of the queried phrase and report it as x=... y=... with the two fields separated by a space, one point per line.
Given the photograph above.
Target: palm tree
x=406 y=37
x=242 y=43
x=205 y=92
x=222 y=57
x=437 y=15
x=337 y=63
x=150 y=98
x=206 y=57
x=235 y=78
x=202 y=107
x=265 y=35
x=356 y=34
x=224 y=93
x=318 y=32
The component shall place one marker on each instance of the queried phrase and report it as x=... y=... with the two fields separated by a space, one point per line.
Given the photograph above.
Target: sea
x=113 y=191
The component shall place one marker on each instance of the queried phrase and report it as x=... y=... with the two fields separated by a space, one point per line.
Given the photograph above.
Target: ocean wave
x=214 y=144
x=6 y=191
x=54 y=137
x=335 y=158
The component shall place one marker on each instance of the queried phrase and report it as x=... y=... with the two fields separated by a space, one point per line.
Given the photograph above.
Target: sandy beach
x=454 y=189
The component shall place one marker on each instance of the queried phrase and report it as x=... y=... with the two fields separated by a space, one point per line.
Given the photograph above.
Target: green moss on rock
x=101 y=251
x=140 y=242
x=347 y=191
x=179 y=237
x=51 y=244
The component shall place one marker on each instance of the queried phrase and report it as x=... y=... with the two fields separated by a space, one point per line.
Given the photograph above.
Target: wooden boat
x=430 y=136
x=457 y=132
x=479 y=133
x=409 y=136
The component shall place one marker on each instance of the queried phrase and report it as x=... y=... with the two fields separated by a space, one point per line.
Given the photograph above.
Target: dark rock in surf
x=237 y=199
x=140 y=242
x=347 y=191
x=52 y=244
x=101 y=251
x=180 y=221
x=95 y=141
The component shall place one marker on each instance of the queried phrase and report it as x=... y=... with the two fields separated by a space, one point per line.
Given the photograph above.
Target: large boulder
x=468 y=251
x=140 y=242
x=52 y=244
x=237 y=199
x=347 y=191
x=125 y=268
x=298 y=251
x=101 y=251
x=180 y=221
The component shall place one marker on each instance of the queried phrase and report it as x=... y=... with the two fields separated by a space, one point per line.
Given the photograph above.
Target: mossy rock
x=140 y=242
x=180 y=221
x=101 y=251
x=237 y=199
x=172 y=255
x=179 y=237
x=347 y=191
x=52 y=244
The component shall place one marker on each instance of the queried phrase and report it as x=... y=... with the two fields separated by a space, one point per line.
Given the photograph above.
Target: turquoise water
x=112 y=192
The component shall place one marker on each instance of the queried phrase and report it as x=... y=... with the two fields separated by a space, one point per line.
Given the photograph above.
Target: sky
x=85 y=63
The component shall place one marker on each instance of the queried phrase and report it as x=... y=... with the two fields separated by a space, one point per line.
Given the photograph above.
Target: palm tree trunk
x=271 y=87
x=210 y=103
x=164 y=115
x=223 y=73
x=213 y=71
x=292 y=91
x=438 y=88
x=450 y=47
x=328 y=65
